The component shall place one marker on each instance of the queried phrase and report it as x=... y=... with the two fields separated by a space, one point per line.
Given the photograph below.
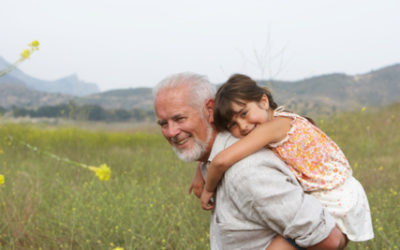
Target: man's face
x=183 y=125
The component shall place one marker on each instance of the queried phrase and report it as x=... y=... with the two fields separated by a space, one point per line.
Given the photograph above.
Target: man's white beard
x=198 y=149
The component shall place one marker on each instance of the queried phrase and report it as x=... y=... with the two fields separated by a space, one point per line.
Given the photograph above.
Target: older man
x=258 y=197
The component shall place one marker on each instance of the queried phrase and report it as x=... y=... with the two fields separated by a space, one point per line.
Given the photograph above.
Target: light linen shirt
x=259 y=198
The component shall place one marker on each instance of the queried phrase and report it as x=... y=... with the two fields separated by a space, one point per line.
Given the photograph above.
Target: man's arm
x=271 y=196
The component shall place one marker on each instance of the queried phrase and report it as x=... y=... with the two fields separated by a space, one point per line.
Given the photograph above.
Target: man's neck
x=206 y=155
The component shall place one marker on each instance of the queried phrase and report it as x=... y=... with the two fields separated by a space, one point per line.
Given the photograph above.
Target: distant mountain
x=133 y=98
x=12 y=94
x=316 y=95
x=70 y=85
x=322 y=94
x=335 y=92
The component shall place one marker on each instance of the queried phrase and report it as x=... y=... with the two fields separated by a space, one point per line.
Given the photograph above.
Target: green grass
x=52 y=205
x=48 y=204
x=371 y=141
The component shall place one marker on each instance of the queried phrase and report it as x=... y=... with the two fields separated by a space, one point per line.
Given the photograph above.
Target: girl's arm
x=264 y=134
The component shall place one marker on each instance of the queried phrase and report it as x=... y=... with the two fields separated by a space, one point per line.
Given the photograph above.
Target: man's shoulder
x=262 y=164
x=226 y=139
x=222 y=141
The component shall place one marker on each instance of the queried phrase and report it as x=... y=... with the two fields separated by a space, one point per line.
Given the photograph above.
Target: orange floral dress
x=314 y=158
x=323 y=170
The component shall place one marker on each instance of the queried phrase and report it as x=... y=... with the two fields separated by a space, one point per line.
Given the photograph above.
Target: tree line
x=86 y=112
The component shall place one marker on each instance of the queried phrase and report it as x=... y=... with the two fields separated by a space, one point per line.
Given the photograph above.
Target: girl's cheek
x=252 y=120
x=236 y=133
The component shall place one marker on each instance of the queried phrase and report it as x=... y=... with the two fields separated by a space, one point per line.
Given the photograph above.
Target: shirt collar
x=222 y=141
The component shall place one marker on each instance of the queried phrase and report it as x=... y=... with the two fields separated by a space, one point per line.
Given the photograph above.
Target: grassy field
x=48 y=204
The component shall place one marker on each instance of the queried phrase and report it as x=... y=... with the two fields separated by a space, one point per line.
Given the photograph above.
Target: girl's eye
x=243 y=114
x=231 y=125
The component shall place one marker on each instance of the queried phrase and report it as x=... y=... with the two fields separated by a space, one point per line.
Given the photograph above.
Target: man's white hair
x=200 y=88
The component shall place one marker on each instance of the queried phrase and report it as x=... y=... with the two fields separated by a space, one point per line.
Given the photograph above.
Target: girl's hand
x=197 y=183
x=206 y=202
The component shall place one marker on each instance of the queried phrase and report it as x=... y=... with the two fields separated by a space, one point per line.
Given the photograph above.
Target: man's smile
x=180 y=140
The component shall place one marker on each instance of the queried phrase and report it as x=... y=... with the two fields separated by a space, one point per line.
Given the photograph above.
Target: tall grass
x=48 y=204
x=371 y=141
x=51 y=205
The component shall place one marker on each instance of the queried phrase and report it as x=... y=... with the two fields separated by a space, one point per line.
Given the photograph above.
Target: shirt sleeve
x=270 y=196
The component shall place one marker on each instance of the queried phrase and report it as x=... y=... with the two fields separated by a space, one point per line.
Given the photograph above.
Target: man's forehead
x=169 y=96
x=177 y=91
x=173 y=109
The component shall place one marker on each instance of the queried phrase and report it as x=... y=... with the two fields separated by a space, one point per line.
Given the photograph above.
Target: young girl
x=250 y=113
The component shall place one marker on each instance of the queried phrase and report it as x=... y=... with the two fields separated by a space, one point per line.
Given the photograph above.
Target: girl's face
x=248 y=116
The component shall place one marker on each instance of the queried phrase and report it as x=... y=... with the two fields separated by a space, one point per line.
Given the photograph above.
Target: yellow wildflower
x=1 y=179
x=25 y=54
x=118 y=248
x=103 y=172
x=363 y=109
x=34 y=44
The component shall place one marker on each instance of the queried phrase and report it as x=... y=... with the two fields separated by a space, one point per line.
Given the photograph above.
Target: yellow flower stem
x=33 y=46
x=11 y=67
x=103 y=172
x=65 y=160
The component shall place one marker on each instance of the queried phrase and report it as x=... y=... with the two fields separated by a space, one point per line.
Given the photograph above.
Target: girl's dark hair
x=237 y=89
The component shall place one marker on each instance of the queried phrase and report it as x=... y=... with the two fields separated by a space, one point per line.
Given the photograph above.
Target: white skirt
x=348 y=204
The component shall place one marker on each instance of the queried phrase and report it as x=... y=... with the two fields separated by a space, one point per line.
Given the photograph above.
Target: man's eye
x=162 y=123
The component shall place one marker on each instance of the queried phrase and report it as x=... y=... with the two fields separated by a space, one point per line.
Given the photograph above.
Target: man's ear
x=264 y=102
x=209 y=105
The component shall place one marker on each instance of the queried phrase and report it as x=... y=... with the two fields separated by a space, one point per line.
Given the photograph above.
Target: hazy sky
x=130 y=43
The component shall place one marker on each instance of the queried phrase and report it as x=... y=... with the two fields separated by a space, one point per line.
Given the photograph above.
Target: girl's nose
x=242 y=126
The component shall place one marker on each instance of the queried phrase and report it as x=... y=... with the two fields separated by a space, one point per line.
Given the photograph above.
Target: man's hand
x=206 y=202
x=197 y=183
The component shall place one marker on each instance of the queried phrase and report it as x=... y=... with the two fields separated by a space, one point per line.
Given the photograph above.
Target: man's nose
x=172 y=130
